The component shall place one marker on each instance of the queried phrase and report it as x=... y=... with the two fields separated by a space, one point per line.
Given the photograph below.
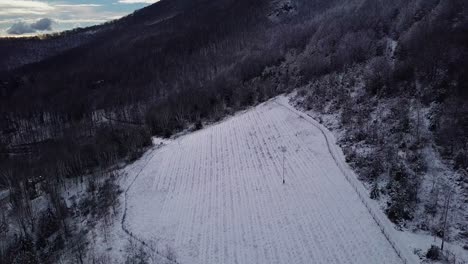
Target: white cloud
x=138 y=1
x=19 y=14
x=22 y=7
x=78 y=5
x=16 y=16
x=15 y=8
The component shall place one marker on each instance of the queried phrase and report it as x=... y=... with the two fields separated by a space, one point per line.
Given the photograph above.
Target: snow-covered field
x=217 y=196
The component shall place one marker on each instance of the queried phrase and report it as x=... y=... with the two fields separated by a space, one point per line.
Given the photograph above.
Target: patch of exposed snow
x=216 y=196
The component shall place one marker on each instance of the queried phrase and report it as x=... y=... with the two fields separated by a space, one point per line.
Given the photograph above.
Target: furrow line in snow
x=124 y=215
x=383 y=222
x=304 y=168
x=218 y=197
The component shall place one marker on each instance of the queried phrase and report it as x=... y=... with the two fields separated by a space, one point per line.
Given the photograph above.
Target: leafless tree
x=446 y=211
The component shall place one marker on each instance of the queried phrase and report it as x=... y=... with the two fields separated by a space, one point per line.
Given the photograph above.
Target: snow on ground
x=108 y=241
x=216 y=196
x=421 y=242
x=438 y=174
x=4 y=194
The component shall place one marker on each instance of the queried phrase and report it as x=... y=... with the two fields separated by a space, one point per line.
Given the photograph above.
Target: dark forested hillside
x=140 y=55
x=392 y=73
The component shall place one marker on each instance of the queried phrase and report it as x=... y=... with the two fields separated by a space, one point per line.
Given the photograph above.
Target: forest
x=179 y=65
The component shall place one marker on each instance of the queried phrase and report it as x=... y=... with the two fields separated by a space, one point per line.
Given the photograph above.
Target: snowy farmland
x=217 y=196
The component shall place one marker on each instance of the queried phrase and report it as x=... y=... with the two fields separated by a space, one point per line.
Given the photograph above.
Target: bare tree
x=3 y=233
x=79 y=248
x=21 y=206
x=283 y=150
x=446 y=224
x=58 y=204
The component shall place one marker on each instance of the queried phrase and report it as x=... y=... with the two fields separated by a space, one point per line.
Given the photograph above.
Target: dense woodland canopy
x=178 y=64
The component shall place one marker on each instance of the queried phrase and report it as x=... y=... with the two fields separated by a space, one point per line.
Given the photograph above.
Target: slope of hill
x=17 y=52
x=391 y=74
x=217 y=195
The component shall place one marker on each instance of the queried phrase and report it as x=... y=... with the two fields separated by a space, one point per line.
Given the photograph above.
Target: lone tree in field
x=446 y=211
x=283 y=149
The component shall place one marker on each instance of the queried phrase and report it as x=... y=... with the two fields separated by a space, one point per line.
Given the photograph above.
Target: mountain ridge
x=388 y=77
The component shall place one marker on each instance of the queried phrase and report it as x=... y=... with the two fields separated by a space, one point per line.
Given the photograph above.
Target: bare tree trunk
x=446 y=211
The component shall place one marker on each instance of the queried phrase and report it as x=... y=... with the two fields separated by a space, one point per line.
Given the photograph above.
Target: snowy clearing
x=216 y=196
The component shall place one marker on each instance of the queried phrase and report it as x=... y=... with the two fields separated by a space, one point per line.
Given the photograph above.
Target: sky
x=32 y=17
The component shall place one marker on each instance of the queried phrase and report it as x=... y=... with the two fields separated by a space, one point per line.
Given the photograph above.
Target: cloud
x=138 y=1
x=42 y=24
x=21 y=17
x=24 y=7
x=20 y=28
x=78 y=5
x=18 y=16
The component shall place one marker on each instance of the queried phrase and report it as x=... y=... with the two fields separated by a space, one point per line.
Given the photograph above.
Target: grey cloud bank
x=20 y=28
